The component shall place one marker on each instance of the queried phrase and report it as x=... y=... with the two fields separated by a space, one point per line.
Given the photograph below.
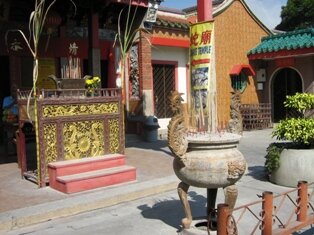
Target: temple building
x=236 y=31
x=83 y=41
x=284 y=63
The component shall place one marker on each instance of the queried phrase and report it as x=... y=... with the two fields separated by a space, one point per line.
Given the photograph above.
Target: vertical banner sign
x=202 y=85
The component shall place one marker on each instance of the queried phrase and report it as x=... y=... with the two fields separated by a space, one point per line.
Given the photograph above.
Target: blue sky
x=268 y=11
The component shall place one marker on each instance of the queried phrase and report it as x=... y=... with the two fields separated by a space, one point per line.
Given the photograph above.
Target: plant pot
x=295 y=165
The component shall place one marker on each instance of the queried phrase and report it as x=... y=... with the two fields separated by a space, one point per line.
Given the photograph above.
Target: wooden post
x=302 y=201
x=267 y=219
x=222 y=220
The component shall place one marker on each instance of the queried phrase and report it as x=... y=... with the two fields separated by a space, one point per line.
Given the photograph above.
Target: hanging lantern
x=53 y=20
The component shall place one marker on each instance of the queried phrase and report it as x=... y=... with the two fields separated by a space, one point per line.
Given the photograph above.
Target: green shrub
x=273 y=154
x=272 y=157
x=300 y=102
x=298 y=130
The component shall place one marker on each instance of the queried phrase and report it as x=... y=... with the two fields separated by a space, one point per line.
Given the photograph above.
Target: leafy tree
x=297 y=14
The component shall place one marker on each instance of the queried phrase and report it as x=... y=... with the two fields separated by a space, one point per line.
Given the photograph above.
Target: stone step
x=76 y=166
x=94 y=179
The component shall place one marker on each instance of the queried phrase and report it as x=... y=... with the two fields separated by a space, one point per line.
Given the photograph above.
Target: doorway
x=164 y=83
x=5 y=89
x=104 y=73
x=286 y=82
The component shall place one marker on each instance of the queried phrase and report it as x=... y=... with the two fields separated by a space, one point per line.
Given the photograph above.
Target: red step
x=95 y=179
x=89 y=173
x=70 y=167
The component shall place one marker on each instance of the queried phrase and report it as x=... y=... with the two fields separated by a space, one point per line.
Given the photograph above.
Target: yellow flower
x=96 y=79
x=89 y=82
x=92 y=82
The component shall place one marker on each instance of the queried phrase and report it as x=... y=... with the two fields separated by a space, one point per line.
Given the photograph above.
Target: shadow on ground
x=171 y=211
x=137 y=142
x=307 y=232
x=258 y=173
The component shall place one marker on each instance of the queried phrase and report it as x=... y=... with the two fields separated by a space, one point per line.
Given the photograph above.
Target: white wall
x=173 y=54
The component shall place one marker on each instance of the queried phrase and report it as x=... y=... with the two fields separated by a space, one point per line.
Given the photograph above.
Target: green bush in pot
x=297 y=131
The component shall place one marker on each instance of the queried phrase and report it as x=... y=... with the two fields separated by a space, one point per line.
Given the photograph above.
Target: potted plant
x=292 y=159
x=91 y=84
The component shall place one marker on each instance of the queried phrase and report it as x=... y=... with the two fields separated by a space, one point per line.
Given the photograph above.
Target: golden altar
x=71 y=125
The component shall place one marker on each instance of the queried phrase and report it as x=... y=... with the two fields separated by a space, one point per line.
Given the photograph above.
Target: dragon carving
x=235 y=123
x=177 y=141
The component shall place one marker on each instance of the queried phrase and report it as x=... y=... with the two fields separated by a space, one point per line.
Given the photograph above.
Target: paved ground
x=152 y=160
x=22 y=203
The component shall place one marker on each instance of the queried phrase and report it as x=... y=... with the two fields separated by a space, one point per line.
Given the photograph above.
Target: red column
x=204 y=10
x=94 y=30
x=93 y=41
x=145 y=64
x=111 y=68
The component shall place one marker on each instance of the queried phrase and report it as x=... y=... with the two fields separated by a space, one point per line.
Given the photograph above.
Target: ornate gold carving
x=50 y=142
x=114 y=138
x=80 y=109
x=83 y=139
x=236 y=169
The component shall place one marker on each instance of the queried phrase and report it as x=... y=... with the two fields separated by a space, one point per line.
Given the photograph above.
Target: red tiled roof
x=248 y=70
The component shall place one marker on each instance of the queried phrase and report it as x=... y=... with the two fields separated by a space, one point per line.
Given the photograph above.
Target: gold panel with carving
x=83 y=139
x=80 y=109
x=114 y=138
x=50 y=140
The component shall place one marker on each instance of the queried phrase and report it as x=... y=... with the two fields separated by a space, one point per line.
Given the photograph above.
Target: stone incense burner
x=205 y=160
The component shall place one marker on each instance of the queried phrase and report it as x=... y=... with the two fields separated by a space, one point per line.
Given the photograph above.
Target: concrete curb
x=85 y=202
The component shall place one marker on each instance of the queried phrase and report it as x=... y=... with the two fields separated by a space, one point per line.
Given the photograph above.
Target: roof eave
x=282 y=54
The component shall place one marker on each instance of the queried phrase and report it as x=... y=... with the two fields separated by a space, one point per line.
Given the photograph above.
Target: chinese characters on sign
x=16 y=45
x=200 y=43
x=73 y=48
x=71 y=67
x=202 y=83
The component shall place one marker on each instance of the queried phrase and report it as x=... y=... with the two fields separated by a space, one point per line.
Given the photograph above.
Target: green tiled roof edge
x=298 y=39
